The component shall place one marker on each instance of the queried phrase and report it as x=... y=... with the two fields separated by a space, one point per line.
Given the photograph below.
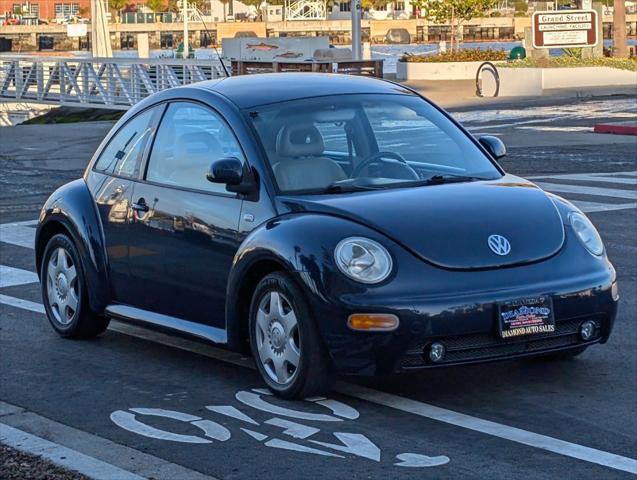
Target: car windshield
x=343 y=143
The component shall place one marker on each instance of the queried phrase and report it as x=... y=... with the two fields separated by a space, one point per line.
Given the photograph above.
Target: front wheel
x=64 y=291
x=284 y=339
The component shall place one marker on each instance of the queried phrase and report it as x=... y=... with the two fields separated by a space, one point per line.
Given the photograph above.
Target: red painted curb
x=615 y=129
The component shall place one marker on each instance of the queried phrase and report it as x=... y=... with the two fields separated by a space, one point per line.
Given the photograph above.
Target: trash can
x=517 y=53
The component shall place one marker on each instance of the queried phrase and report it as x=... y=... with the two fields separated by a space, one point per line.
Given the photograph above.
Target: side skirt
x=205 y=332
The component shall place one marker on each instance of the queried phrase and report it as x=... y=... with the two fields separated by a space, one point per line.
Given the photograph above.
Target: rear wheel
x=64 y=291
x=284 y=339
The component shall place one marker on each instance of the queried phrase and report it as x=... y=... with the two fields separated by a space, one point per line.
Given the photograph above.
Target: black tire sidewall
x=63 y=241
x=309 y=340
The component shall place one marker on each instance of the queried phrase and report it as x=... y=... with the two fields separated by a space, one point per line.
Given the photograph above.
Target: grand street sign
x=565 y=29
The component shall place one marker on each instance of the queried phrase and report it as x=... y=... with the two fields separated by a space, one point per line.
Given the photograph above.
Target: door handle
x=140 y=206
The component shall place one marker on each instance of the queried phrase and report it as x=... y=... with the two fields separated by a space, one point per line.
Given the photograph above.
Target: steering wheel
x=381 y=156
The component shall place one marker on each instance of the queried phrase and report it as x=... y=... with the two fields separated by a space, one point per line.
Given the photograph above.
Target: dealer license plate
x=527 y=316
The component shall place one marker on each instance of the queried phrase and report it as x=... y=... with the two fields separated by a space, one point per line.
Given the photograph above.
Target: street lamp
x=185 y=9
x=357 y=53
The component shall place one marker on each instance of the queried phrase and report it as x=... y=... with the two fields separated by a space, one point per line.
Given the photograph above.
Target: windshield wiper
x=450 y=178
x=336 y=188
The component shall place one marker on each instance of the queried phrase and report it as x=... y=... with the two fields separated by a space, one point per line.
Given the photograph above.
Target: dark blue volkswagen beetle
x=328 y=223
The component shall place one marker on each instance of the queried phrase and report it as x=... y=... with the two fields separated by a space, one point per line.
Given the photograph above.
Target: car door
x=184 y=231
x=111 y=183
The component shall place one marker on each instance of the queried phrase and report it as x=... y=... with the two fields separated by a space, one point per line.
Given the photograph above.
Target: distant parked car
x=326 y=223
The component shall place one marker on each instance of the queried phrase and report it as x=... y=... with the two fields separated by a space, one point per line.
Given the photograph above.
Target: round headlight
x=586 y=232
x=363 y=260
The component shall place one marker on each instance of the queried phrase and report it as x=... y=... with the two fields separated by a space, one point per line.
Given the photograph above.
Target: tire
x=64 y=291
x=279 y=340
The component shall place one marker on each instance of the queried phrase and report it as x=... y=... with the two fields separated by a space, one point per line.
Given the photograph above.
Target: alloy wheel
x=62 y=286
x=277 y=338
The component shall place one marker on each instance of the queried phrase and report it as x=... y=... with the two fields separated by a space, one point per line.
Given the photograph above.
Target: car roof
x=247 y=91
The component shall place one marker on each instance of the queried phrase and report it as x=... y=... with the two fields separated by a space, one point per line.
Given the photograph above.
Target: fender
x=72 y=207
x=302 y=244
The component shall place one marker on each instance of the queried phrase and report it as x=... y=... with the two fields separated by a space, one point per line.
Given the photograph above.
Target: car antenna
x=225 y=70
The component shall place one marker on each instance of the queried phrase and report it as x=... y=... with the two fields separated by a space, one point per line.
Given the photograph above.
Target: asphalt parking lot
x=144 y=404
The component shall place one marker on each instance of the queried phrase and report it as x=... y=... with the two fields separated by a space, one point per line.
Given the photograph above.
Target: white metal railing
x=97 y=82
x=305 y=10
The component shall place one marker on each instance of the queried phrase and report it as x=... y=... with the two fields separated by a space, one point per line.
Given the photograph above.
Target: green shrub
x=574 y=62
x=466 y=55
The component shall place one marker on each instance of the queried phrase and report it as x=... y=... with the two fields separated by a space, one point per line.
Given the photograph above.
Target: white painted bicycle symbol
x=348 y=443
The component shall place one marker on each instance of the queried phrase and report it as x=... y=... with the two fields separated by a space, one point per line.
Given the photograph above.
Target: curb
x=616 y=129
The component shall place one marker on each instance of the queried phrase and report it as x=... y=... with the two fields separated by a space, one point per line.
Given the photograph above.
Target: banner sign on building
x=565 y=29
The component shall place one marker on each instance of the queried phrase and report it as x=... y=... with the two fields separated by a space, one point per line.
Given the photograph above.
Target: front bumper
x=485 y=347
x=469 y=334
x=459 y=309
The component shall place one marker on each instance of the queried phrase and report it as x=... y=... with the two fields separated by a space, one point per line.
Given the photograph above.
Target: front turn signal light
x=373 y=322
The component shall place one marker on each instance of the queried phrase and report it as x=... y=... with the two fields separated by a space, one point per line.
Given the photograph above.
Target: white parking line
x=585 y=177
x=21 y=234
x=23 y=304
x=514 y=434
x=585 y=190
x=10 y=277
x=63 y=456
x=592 y=207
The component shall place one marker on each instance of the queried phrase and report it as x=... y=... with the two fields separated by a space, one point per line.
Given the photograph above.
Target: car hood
x=449 y=225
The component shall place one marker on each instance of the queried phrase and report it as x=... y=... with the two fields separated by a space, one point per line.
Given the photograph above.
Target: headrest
x=299 y=141
x=197 y=145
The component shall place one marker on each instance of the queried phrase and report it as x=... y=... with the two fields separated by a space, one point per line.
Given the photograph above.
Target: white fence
x=97 y=82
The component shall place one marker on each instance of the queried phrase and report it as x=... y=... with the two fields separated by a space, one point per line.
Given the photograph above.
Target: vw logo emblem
x=499 y=244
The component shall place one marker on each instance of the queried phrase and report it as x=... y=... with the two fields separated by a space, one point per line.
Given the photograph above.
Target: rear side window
x=124 y=152
x=188 y=140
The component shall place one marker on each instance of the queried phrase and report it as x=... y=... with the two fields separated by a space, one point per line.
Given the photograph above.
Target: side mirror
x=227 y=170
x=494 y=145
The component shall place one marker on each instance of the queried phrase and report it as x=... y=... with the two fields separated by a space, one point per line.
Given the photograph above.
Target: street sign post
x=565 y=29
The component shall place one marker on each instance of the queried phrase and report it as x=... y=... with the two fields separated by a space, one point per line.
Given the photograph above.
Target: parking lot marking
x=587 y=177
x=585 y=190
x=552 y=184
x=10 y=277
x=63 y=456
x=592 y=207
x=21 y=234
x=126 y=458
x=488 y=427
x=23 y=304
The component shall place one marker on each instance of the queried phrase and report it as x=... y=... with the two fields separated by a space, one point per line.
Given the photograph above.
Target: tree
x=117 y=5
x=620 y=48
x=454 y=12
x=374 y=4
x=156 y=5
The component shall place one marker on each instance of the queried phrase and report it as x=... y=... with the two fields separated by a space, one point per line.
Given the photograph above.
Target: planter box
x=533 y=81
x=588 y=77
x=437 y=70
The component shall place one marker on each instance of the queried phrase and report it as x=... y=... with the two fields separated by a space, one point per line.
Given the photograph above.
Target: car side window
x=188 y=140
x=123 y=154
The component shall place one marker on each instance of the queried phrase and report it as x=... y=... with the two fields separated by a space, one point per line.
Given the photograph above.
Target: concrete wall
x=437 y=70
x=533 y=81
x=587 y=77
